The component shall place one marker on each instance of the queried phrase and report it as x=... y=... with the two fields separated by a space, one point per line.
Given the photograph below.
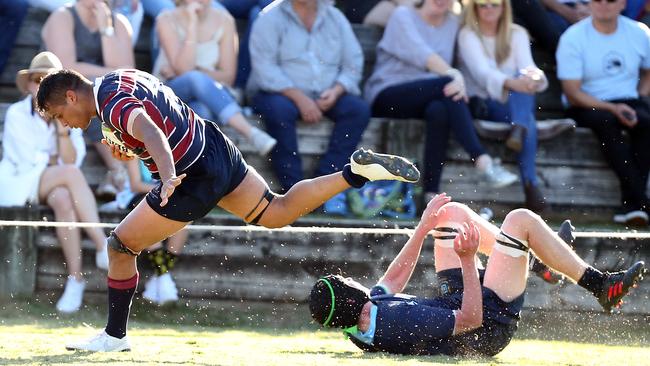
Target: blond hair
x=503 y=37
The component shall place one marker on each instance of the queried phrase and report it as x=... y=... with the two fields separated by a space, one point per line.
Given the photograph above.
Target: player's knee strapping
x=268 y=196
x=444 y=236
x=509 y=245
x=116 y=244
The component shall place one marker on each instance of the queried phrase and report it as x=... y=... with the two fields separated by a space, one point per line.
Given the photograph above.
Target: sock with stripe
x=120 y=295
x=592 y=280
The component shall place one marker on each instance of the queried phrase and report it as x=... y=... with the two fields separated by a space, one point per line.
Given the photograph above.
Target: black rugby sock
x=592 y=280
x=355 y=180
x=120 y=295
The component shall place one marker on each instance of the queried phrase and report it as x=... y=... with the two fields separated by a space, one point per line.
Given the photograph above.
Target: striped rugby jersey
x=121 y=95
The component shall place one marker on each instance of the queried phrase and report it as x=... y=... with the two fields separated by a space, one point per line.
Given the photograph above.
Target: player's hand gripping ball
x=113 y=141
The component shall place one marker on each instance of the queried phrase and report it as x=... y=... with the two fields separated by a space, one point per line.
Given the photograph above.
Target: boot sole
x=395 y=165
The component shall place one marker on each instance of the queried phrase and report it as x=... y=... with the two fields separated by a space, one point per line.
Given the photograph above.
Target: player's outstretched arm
x=401 y=268
x=145 y=130
x=470 y=315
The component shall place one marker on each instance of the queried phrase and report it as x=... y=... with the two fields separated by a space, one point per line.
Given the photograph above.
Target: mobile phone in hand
x=629 y=116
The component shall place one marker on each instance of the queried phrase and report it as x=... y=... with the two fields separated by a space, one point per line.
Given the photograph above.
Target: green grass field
x=30 y=334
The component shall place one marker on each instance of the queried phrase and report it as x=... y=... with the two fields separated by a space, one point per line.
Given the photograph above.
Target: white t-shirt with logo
x=607 y=64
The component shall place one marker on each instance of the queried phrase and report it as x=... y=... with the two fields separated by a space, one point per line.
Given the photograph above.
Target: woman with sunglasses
x=413 y=79
x=502 y=80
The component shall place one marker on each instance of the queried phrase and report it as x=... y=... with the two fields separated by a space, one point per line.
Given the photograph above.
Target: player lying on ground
x=468 y=318
x=198 y=167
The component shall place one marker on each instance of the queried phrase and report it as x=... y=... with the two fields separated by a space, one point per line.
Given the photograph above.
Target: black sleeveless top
x=87 y=44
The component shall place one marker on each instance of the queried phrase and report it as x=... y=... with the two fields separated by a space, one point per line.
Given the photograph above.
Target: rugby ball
x=112 y=139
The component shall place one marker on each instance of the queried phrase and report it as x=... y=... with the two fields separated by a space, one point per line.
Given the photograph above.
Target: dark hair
x=333 y=303
x=54 y=85
x=419 y=4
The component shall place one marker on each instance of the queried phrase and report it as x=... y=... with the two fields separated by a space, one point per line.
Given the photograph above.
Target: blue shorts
x=219 y=170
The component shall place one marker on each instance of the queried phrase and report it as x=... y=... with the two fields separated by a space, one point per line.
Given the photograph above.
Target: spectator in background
x=12 y=14
x=90 y=38
x=600 y=60
x=199 y=63
x=501 y=75
x=307 y=63
x=249 y=10
x=41 y=163
x=413 y=79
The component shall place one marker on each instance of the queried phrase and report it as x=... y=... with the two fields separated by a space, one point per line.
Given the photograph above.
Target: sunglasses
x=488 y=3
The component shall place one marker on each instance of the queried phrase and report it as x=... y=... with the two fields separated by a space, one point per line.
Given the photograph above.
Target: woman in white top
x=502 y=78
x=40 y=163
x=198 y=61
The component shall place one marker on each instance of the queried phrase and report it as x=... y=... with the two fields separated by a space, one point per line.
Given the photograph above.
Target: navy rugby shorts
x=219 y=170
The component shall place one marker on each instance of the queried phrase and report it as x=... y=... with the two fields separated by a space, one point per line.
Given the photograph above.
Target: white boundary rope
x=309 y=229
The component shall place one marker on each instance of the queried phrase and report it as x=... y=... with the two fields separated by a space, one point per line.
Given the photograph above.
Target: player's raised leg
x=253 y=202
x=523 y=229
x=141 y=228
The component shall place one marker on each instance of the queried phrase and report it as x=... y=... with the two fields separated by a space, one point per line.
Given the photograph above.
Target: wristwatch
x=108 y=31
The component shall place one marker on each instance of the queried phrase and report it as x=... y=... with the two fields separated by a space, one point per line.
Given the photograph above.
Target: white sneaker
x=151 y=289
x=498 y=176
x=632 y=218
x=167 y=291
x=70 y=301
x=101 y=343
x=374 y=166
x=262 y=141
x=101 y=258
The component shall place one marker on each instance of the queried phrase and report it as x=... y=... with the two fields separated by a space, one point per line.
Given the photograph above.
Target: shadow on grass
x=380 y=356
x=88 y=358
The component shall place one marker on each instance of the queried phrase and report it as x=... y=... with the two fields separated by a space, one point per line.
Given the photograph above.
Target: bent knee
x=455 y=211
x=521 y=215
x=60 y=199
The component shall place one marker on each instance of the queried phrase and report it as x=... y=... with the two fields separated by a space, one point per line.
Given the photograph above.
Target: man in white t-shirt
x=603 y=64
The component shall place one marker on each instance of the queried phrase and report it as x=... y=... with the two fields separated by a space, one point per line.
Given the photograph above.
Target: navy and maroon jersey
x=122 y=95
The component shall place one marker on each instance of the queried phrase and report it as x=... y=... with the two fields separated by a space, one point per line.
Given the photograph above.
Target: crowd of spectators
x=300 y=60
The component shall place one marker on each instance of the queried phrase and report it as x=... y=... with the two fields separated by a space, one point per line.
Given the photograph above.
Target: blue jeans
x=425 y=99
x=12 y=13
x=519 y=110
x=206 y=97
x=244 y=9
x=350 y=114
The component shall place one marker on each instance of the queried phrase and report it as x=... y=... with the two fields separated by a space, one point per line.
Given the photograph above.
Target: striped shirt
x=122 y=95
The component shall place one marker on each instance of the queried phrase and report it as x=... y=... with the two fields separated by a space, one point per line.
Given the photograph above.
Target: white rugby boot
x=374 y=166
x=101 y=343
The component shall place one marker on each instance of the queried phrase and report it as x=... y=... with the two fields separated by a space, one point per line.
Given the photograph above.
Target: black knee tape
x=116 y=244
x=446 y=233
x=269 y=196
